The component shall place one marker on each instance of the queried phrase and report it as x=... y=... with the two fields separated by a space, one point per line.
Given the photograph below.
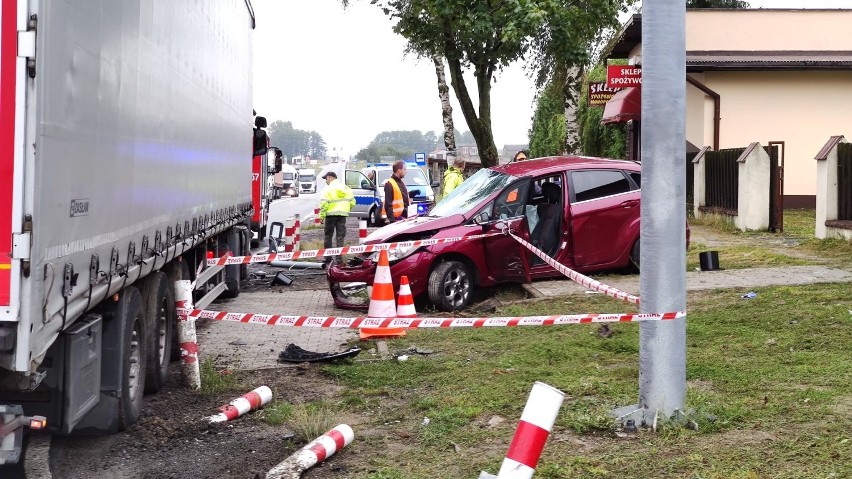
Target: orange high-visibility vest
x=397 y=204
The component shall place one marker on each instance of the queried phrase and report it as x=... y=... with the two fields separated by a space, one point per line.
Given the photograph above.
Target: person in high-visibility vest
x=336 y=201
x=453 y=177
x=396 y=194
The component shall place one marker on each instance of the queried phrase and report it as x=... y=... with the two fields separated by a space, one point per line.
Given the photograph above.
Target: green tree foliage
x=609 y=141
x=716 y=4
x=399 y=144
x=486 y=36
x=294 y=142
x=547 y=135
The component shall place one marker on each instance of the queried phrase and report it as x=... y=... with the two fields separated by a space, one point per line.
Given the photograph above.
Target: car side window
x=510 y=203
x=593 y=184
x=356 y=179
x=637 y=178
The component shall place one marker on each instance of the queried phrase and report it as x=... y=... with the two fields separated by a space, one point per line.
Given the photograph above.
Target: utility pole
x=662 y=344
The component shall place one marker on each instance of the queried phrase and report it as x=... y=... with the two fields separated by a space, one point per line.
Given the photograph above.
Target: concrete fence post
x=753 y=189
x=827 y=191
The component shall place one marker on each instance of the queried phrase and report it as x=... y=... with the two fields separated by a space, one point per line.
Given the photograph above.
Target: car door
x=604 y=214
x=506 y=257
x=363 y=190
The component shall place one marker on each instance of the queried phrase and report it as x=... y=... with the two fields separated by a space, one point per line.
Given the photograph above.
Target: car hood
x=413 y=226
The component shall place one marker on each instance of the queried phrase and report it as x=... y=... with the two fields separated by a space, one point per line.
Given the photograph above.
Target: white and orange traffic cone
x=382 y=304
x=405 y=301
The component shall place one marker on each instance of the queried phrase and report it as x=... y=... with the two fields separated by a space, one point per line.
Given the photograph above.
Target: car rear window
x=593 y=184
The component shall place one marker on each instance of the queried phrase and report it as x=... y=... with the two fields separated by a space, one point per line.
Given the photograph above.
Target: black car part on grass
x=295 y=354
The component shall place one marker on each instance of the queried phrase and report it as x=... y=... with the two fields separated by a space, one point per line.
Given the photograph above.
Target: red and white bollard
x=535 y=425
x=289 y=235
x=297 y=231
x=246 y=403
x=315 y=452
x=190 y=372
x=362 y=231
x=316 y=216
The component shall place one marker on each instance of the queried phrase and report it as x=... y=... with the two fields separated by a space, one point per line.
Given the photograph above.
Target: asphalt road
x=286 y=207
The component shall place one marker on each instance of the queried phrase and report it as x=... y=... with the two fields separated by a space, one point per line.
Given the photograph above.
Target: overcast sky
x=343 y=74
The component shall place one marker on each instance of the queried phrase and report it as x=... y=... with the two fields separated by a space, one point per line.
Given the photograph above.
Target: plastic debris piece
x=295 y=354
x=749 y=295
x=426 y=421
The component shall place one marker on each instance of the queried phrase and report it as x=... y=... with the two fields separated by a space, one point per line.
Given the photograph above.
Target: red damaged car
x=584 y=212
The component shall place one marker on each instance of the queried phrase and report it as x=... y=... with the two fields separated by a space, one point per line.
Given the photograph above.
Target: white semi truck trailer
x=124 y=136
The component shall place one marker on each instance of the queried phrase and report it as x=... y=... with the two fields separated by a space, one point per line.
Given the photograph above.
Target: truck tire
x=233 y=272
x=133 y=361
x=159 y=298
x=450 y=286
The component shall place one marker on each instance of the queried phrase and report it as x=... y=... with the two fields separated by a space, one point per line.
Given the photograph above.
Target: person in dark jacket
x=396 y=194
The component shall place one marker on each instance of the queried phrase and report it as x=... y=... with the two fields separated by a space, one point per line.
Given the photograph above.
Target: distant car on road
x=582 y=211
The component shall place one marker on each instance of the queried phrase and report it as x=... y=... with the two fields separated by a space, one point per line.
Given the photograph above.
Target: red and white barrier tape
x=247 y=402
x=367 y=322
x=578 y=277
x=318 y=253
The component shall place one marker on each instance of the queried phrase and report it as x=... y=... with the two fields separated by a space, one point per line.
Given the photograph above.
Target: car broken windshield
x=471 y=192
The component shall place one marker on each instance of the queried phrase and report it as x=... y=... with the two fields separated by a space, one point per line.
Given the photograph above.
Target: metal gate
x=721 y=180
x=775 y=150
x=844 y=181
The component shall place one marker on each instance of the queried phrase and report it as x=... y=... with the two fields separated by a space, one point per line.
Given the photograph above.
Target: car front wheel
x=450 y=286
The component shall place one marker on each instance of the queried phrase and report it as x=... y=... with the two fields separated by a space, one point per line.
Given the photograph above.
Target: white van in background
x=307 y=180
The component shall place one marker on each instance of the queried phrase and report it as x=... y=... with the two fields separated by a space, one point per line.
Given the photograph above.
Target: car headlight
x=395 y=254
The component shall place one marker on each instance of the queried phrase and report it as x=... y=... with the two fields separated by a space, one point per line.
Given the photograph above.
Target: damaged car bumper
x=347 y=281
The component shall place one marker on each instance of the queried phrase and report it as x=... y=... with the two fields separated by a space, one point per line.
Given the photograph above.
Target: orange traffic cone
x=382 y=304
x=405 y=301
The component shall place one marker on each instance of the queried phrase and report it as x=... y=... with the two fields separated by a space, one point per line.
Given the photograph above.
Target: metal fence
x=722 y=180
x=844 y=181
x=690 y=173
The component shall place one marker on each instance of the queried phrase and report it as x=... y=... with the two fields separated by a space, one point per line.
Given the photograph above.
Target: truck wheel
x=159 y=298
x=450 y=286
x=634 y=256
x=133 y=361
x=233 y=272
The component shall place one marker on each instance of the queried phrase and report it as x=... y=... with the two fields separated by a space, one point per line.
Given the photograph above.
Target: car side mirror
x=436 y=184
x=482 y=218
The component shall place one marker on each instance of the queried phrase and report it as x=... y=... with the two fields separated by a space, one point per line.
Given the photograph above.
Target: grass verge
x=769 y=381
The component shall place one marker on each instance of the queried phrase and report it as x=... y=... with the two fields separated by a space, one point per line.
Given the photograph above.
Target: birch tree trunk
x=446 y=107
x=573 y=82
